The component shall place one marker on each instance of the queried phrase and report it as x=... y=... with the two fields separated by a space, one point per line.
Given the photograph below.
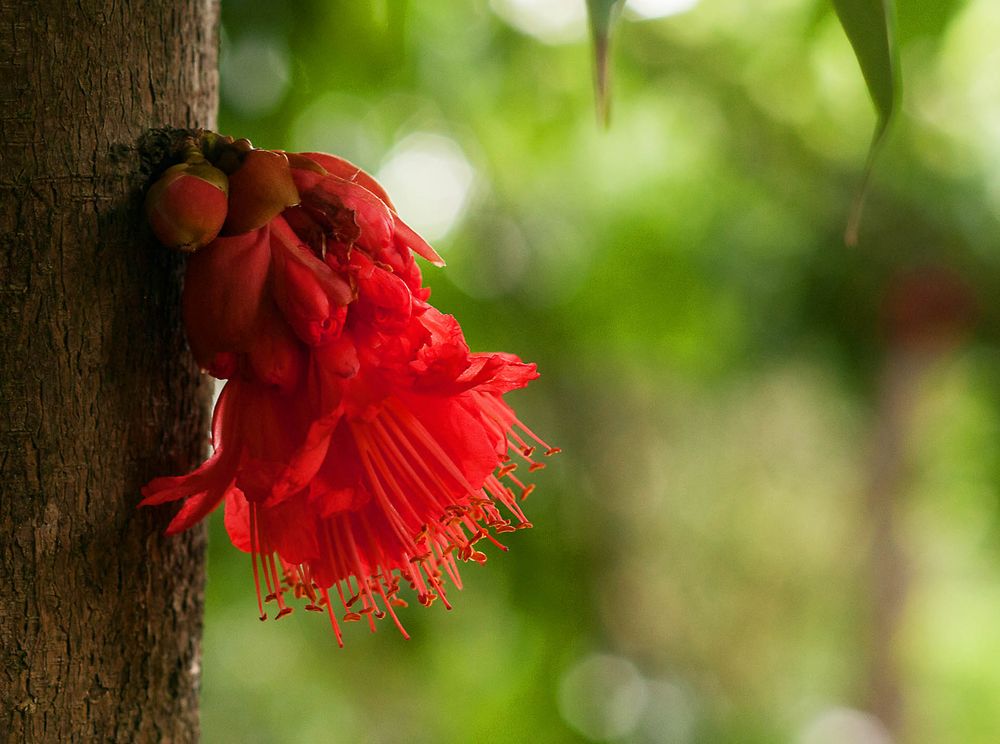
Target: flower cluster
x=359 y=444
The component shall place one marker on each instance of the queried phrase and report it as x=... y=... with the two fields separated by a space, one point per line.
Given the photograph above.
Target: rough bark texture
x=100 y=615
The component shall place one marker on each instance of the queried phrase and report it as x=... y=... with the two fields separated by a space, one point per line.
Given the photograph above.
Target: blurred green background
x=776 y=514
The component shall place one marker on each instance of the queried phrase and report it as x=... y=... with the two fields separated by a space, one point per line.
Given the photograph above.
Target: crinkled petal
x=312 y=298
x=349 y=172
x=371 y=214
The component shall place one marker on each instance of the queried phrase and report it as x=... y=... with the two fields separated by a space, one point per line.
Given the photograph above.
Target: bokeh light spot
x=549 y=21
x=649 y=9
x=430 y=180
x=255 y=74
x=839 y=725
x=603 y=697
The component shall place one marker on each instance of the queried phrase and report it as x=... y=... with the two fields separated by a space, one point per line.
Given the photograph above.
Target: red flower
x=358 y=442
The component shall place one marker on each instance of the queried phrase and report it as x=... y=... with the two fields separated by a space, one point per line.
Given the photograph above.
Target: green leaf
x=603 y=14
x=870 y=27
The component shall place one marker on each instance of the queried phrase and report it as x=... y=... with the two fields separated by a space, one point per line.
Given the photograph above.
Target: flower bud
x=186 y=207
x=260 y=189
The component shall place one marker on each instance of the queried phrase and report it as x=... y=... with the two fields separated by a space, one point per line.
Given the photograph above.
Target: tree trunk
x=100 y=615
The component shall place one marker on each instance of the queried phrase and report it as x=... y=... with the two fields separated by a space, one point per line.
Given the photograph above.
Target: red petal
x=405 y=235
x=218 y=470
x=237 y=519
x=306 y=461
x=312 y=297
x=195 y=509
x=383 y=298
x=458 y=433
x=371 y=214
x=276 y=356
x=223 y=290
x=349 y=172
x=290 y=529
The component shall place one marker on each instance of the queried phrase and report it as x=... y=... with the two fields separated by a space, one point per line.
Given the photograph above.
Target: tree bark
x=100 y=614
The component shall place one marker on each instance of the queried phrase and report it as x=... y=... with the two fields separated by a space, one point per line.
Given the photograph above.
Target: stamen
x=389 y=602
x=403 y=533
x=359 y=573
x=262 y=550
x=279 y=594
x=254 y=549
x=333 y=618
x=549 y=449
x=438 y=588
x=387 y=598
x=430 y=515
x=415 y=577
x=496 y=542
x=367 y=612
x=505 y=496
x=450 y=568
x=340 y=591
x=424 y=436
x=393 y=429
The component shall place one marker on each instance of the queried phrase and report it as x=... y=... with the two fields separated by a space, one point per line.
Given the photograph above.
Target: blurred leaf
x=603 y=14
x=926 y=21
x=869 y=25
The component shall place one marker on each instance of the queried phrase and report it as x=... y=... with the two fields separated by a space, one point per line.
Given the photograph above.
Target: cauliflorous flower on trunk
x=359 y=444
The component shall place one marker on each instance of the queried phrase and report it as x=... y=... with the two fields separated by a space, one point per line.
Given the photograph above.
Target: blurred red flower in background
x=358 y=441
